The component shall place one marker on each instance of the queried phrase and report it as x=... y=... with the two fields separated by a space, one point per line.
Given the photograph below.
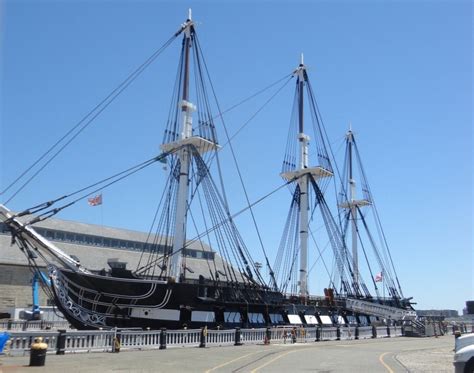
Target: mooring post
x=268 y=336
x=61 y=342
x=203 y=336
x=163 y=339
x=237 y=337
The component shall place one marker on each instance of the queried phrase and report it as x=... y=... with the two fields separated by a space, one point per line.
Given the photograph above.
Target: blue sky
x=399 y=71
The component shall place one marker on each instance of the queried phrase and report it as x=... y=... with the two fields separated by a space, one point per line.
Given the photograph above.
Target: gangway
x=379 y=310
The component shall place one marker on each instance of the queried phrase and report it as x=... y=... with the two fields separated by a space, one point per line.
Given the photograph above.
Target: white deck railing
x=108 y=340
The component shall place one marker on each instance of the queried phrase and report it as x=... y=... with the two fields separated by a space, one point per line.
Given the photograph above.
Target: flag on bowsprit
x=95 y=201
x=379 y=277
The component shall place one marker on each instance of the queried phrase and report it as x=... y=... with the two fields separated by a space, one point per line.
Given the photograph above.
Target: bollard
x=237 y=337
x=163 y=339
x=388 y=331
x=203 y=336
x=356 y=334
x=338 y=333
x=268 y=335
x=9 y=325
x=61 y=342
x=117 y=345
x=318 y=334
x=374 y=331
x=38 y=353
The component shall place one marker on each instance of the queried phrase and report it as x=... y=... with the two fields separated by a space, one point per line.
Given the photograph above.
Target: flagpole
x=383 y=285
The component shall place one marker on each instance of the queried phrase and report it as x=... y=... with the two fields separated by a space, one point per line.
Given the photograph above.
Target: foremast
x=301 y=175
x=184 y=146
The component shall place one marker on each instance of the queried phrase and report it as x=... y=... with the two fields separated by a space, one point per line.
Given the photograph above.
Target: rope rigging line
x=115 y=178
x=239 y=212
x=85 y=121
x=386 y=262
x=377 y=255
x=238 y=171
x=157 y=210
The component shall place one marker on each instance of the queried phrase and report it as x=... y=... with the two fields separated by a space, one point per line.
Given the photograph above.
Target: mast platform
x=359 y=203
x=201 y=144
x=317 y=172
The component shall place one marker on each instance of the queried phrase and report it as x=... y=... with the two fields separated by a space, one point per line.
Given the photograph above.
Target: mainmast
x=302 y=176
x=184 y=146
x=352 y=203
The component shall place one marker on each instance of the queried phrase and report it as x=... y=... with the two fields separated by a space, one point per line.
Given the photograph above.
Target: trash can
x=4 y=337
x=38 y=352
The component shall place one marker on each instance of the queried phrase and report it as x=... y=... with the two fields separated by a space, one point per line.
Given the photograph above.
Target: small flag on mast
x=95 y=201
x=379 y=277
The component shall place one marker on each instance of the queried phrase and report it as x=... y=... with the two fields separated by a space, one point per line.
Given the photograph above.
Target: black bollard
x=388 y=330
x=318 y=334
x=61 y=342
x=203 y=337
x=374 y=331
x=38 y=353
x=338 y=333
x=268 y=336
x=237 y=337
x=163 y=339
x=356 y=334
x=117 y=343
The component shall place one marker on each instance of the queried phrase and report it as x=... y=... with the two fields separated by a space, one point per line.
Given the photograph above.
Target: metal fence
x=328 y=334
x=33 y=325
x=73 y=341
x=365 y=332
x=381 y=332
x=220 y=337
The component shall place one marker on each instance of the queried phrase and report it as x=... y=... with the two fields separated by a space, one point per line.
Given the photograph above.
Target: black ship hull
x=91 y=301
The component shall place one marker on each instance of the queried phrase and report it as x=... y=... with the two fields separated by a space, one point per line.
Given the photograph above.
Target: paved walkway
x=379 y=355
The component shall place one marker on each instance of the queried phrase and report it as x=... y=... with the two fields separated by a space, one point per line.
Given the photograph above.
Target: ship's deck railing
x=74 y=341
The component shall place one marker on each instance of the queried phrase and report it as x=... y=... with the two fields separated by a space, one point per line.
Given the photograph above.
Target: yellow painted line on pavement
x=231 y=361
x=384 y=363
x=279 y=357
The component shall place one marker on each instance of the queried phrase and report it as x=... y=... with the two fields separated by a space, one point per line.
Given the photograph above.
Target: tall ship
x=194 y=211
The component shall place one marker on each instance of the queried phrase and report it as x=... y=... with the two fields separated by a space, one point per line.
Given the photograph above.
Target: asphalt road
x=374 y=355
